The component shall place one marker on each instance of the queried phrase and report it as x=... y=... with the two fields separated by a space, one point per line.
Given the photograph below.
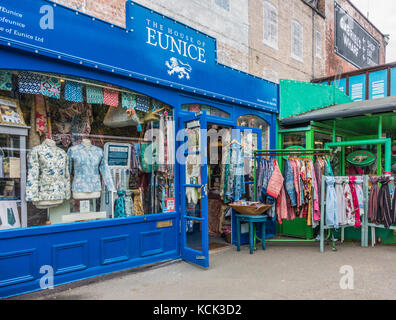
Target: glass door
x=194 y=192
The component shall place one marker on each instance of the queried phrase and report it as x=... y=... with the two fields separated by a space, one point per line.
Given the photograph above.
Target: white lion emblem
x=178 y=67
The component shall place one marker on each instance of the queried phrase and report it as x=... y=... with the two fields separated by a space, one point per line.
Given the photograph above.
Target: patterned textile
x=355 y=199
x=128 y=203
x=373 y=200
x=142 y=103
x=137 y=203
x=119 y=206
x=94 y=95
x=349 y=207
x=110 y=97
x=50 y=87
x=275 y=183
x=48 y=173
x=128 y=101
x=73 y=91
x=5 y=80
x=29 y=83
x=331 y=203
x=341 y=201
x=384 y=215
x=289 y=183
x=87 y=162
x=235 y=186
x=41 y=116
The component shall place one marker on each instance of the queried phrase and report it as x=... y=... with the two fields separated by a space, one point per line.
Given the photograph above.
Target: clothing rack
x=373 y=225
x=323 y=227
x=290 y=153
x=284 y=152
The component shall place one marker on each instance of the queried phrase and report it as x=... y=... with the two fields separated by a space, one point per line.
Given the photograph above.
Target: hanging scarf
x=289 y=183
x=331 y=203
x=373 y=199
x=355 y=201
x=384 y=214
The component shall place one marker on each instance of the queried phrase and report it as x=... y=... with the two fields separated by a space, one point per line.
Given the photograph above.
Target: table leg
x=263 y=225
x=251 y=236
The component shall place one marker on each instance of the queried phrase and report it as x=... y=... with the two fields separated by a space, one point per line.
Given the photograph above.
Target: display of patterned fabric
x=385 y=214
x=110 y=97
x=48 y=173
x=137 y=203
x=331 y=203
x=373 y=199
x=235 y=184
x=355 y=201
x=87 y=161
x=5 y=80
x=94 y=95
x=73 y=91
x=119 y=205
x=142 y=103
x=50 y=87
x=41 y=116
x=29 y=82
x=128 y=100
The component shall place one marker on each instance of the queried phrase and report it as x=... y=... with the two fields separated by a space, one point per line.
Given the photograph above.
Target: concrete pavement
x=283 y=271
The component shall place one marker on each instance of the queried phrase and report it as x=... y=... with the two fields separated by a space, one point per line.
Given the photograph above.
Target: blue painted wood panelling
x=114 y=249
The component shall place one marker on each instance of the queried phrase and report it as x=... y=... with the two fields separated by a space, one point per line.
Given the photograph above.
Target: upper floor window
x=296 y=40
x=225 y=4
x=270 y=25
x=318 y=44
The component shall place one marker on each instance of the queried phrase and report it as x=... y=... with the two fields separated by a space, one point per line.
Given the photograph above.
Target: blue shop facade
x=149 y=110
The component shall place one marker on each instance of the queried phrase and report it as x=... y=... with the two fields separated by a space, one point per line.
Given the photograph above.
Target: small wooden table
x=252 y=237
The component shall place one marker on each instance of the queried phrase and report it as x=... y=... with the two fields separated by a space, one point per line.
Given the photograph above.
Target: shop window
x=93 y=151
x=318 y=44
x=210 y=111
x=270 y=25
x=296 y=40
x=294 y=139
x=252 y=121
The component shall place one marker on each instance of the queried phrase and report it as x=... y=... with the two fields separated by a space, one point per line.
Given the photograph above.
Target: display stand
x=323 y=227
x=290 y=153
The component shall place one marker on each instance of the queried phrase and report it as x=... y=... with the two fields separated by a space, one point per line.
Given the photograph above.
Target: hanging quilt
x=41 y=115
x=29 y=83
x=73 y=91
x=94 y=95
x=142 y=103
x=5 y=80
x=128 y=101
x=110 y=97
x=50 y=87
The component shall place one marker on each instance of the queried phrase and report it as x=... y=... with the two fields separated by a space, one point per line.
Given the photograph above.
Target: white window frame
x=318 y=44
x=297 y=24
x=268 y=10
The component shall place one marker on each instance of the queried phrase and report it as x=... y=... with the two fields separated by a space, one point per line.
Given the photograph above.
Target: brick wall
x=265 y=60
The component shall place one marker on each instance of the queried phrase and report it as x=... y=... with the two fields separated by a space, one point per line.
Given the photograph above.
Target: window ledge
x=271 y=45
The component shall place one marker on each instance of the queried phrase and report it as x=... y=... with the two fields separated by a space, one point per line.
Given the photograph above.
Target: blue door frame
x=198 y=255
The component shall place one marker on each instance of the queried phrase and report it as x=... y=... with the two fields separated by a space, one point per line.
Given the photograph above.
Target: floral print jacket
x=87 y=161
x=48 y=173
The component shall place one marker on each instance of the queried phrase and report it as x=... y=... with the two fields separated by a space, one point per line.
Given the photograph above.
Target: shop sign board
x=341 y=84
x=393 y=82
x=378 y=84
x=353 y=42
x=357 y=87
x=361 y=158
x=152 y=48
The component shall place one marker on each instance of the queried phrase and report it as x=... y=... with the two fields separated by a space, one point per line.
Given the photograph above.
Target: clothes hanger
x=234 y=141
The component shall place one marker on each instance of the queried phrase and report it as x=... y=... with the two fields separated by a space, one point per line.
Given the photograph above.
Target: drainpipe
x=313 y=44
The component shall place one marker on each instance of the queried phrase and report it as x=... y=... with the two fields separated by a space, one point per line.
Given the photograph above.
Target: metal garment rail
x=364 y=229
x=373 y=225
x=288 y=152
